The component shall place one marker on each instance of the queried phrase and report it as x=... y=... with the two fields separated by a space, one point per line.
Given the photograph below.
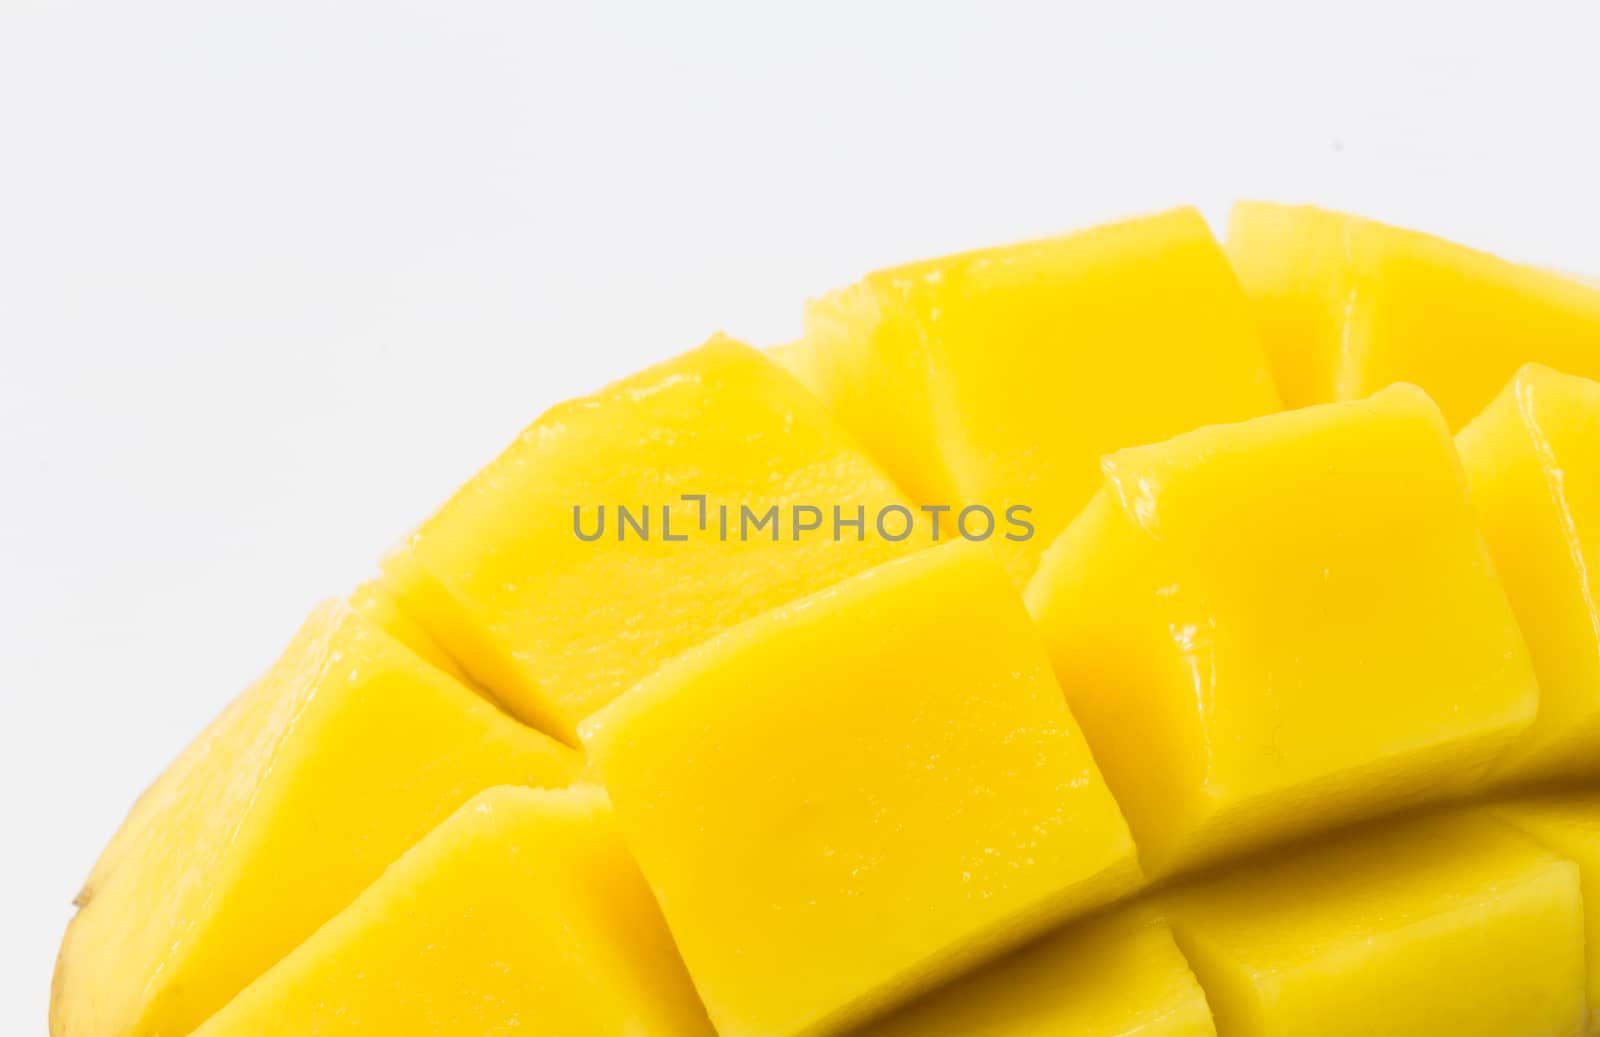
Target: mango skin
x=1294 y=610
x=1349 y=305
x=849 y=798
x=521 y=913
x=999 y=377
x=348 y=750
x=1532 y=460
x=555 y=627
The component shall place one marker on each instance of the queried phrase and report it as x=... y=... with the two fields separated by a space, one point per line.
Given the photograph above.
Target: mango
x=1452 y=925
x=1568 y=824
x=1532 y=460
x=1349 y=305
x=684 y=718
x=997 y=378
x=345 y=753
x=844 y=800
x=1297 y=610
x=555 y=625
x=373 y=600
x=1115 y=976
x=521 y=913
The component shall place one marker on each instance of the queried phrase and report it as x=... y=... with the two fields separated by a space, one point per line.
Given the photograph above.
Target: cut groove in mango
x=343 y=755
x=999 y=377
x=1349 y=305
x=521 y=913
x=555 y=626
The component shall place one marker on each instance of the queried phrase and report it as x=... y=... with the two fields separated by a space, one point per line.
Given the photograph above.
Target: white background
x=275 y=277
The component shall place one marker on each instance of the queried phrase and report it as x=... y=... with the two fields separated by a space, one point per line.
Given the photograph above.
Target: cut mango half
x=1000 y=658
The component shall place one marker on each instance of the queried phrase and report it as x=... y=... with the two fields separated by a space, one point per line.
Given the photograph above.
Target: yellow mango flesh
x=1121 y=976
x=1532 y=460
x=850 y=782
x=1569 y=825
x=373 y=600
x=1296 y=611
x=999 y=377
x=554 y=626
x=799 y=359
x=842 y=801
x=1453 y=925
x=521 y=913
x=1348 y=306
x=296 y=798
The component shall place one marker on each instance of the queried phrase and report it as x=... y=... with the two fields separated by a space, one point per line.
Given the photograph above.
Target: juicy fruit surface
x=1298 y=609
x=1569 y=825
x=374 y=601
x=953 y=775
x=300 y=794
x=521 y=913
x=1533 y=460
x=1118 y=976
x=998 y=378
x=1449 y=925
x=554 y=626
x=1349 y=305
x=1131 y=776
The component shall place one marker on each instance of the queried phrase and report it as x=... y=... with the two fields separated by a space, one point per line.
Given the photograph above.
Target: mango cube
x=556 y=625
x=1118 y=976
x=521 y=913
x=1349 y=305
x=1452 y=925
x=1568 y=824
x=852 y=796
x=997 y=378
x=297 y=797
x=1283 y=625
x=1532 y=460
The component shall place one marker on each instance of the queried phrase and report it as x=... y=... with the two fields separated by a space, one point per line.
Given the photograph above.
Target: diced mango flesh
x=1292 y=610
x=1569 y=825
x=998 y=378
x=844 y=800
x=522 y=913
x=1449 y=925
x=297 y=797
x=1532 y=460
x=1349 y=305
x=373 y=600
x=1120 y=976
x=849 y=777
x=555 y=626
